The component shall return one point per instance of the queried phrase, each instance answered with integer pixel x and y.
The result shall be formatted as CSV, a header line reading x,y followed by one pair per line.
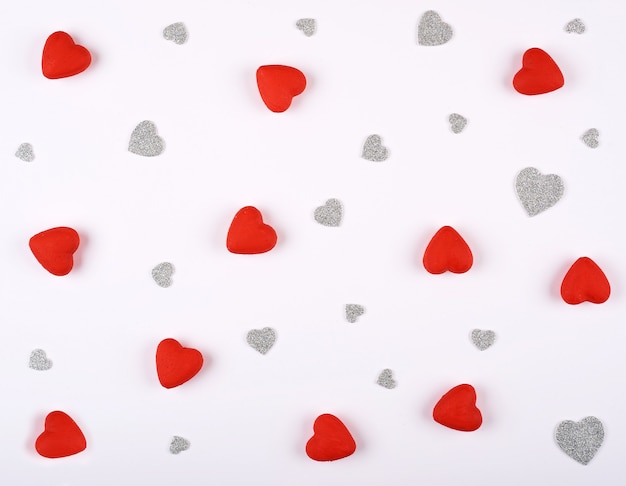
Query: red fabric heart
x,y
278,85
457,409
539,74
447,251
176,364
54,249
331,439
248,234
61,437
62,57
585,282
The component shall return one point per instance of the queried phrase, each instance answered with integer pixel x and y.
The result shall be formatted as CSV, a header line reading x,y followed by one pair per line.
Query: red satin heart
x,y
61,437
457,409
585,282
278,85
176,364
54,249
62,57
539,74
447,251
248,234
331,439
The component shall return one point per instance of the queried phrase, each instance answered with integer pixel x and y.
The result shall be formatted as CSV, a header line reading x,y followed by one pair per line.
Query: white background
x,y
248,416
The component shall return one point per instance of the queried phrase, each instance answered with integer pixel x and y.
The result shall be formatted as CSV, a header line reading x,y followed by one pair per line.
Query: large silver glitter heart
x,y
25,152
538,192
457,122
162,274
39,361
176,32
145,141
590,138
353,311
432,31
385,379
483,339
307,26
179,444
262,339
575,26
330,213
580,440
374,150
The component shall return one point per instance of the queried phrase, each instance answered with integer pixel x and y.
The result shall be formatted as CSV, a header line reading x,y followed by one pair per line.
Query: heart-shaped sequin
x,y
39,361
580,440
331,439
457,122
261,339
179,444
385,379
353,311
25,152
575,26
330,213
538,192
176,32
590,138
307,26
374,150
432,31
162,274
483,339
144,140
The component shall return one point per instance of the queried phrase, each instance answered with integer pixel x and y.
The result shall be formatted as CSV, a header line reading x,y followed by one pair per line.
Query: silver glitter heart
x,y
179,444
483,339
25,152
457,122
385,379
374,150
538,192
432,31
162,274
145,141
329,214
575,26
39,361
176,32
353,311
590,138
262,339
307,26
580,440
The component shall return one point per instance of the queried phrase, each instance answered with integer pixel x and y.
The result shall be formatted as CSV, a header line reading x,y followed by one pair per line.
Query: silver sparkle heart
x,y
307,26
179,444
432,31
385,379
580,440
262,339
353,311
374,150
575,26
538,192
329,214
39,361
176,32
590,138
145,141
25,152
162,274
457,122
483,339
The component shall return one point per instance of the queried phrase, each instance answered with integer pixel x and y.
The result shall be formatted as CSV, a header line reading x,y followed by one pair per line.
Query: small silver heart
x,y
483,339
580,440
179,444
330,213
457,122
162,274
39,361
538,192
25,152
374,150
176,32
353,311
385,379
432,31
145,141
575,26
307,26
590,138
262,339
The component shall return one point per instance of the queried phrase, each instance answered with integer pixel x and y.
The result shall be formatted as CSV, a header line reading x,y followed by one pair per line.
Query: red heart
x,y
175,364
61,437
447,251
457,409
278,85
331,439
248,234
539,74
62,57
54,249
585,281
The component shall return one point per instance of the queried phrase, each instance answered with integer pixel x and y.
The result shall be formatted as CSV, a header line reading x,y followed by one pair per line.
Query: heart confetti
x,y
176,33
278,85
483,339
330,213
262,339
374,150
538,192
144,140
385,379
447,252
539,74
54,249
307,26
162,274
39,361
179,444
331,439
61,437
457,122
176,364
457,409
353,311
432,31
575,26
248,234
25,152
585,282
590,138
63,58
580,440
